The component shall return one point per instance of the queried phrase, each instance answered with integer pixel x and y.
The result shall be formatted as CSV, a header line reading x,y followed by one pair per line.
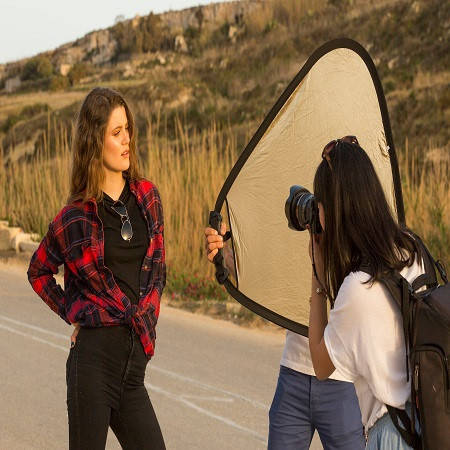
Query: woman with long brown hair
x,y
360,243
110,238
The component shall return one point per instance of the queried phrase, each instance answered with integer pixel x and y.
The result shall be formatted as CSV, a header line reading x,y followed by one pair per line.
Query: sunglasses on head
x,y
334,143
127,231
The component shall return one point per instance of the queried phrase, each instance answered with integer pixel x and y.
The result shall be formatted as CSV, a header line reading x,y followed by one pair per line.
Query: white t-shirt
x,y
365,341
297,357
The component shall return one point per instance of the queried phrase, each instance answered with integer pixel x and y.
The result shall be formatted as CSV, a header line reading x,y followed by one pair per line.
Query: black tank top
x,y
124,258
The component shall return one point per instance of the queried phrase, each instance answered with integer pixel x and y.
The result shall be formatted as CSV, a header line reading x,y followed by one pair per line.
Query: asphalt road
x,y
211,382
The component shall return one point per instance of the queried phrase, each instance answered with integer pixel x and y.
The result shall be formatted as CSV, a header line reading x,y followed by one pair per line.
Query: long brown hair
x,y
87,174
359,227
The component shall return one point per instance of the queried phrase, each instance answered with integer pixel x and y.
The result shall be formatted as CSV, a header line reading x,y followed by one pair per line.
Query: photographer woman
x,y
302,403
363,336
109,236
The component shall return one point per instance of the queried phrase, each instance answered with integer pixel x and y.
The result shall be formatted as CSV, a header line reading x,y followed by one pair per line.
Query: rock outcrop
x,y
99,47
13,238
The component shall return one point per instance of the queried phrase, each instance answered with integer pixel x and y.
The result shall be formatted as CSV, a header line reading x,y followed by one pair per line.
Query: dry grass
x,y
32,194
189,175
55,100
426,194
285,12
425,79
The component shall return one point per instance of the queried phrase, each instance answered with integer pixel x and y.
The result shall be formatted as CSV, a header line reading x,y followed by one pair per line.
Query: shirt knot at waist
x,y
130,312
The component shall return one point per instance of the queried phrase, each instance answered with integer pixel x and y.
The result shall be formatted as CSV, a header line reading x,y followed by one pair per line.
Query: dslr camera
x,y
301,210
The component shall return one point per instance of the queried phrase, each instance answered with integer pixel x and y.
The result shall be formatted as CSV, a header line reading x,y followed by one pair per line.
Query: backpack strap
x,y
430,263
400,290
410,437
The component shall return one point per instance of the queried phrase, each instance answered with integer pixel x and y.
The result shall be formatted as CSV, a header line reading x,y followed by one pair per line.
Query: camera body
x,y
301,210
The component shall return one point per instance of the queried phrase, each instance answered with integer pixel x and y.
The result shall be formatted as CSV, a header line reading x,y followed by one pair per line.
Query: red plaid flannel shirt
x,y
91,296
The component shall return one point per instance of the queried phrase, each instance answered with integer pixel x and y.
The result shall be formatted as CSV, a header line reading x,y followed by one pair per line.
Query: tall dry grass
x,y
285,12
189,173
32,193
426,195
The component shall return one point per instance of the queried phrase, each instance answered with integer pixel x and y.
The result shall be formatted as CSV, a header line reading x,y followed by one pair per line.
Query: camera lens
x,y
301,210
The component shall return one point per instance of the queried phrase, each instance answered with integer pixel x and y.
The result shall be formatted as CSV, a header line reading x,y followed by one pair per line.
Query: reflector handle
x,y
215,219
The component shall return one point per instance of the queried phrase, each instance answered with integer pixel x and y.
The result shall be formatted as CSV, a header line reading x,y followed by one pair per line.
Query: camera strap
x,y
315,272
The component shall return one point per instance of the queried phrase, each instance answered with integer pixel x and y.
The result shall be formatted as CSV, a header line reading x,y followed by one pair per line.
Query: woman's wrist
x,y
317,311
317,290
315,283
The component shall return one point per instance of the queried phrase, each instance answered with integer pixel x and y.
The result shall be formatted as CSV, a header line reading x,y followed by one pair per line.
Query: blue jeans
x,y
303,404
105,388
384,436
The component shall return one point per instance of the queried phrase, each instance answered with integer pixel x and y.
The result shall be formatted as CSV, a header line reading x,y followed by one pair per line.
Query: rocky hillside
x,y
228,63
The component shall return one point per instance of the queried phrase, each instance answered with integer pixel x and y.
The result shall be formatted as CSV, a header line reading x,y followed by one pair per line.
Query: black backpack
x,y
426,326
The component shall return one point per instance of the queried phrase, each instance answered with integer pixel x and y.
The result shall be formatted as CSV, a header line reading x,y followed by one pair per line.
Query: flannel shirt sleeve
x,y
150,310
42,268
160,251
159,271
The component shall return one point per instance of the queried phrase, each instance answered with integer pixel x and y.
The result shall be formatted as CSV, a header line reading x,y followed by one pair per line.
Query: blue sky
x,y
32,26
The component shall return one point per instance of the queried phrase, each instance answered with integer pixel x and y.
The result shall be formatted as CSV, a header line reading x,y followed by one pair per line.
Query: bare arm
x,y
323,366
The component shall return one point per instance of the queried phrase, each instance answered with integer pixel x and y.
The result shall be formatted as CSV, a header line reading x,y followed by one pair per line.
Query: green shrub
x,y
389,85
191,33
30,111
58,83
341,3
147,36
193,286
271,25
37,68
10,121
219,36
26,113
78,71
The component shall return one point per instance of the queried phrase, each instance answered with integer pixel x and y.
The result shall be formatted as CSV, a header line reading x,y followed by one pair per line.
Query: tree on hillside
x,y
200,17
78,71
147,36
151,33
37,68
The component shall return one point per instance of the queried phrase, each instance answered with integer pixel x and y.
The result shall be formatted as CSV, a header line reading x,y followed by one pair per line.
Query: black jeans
x,y
105,387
